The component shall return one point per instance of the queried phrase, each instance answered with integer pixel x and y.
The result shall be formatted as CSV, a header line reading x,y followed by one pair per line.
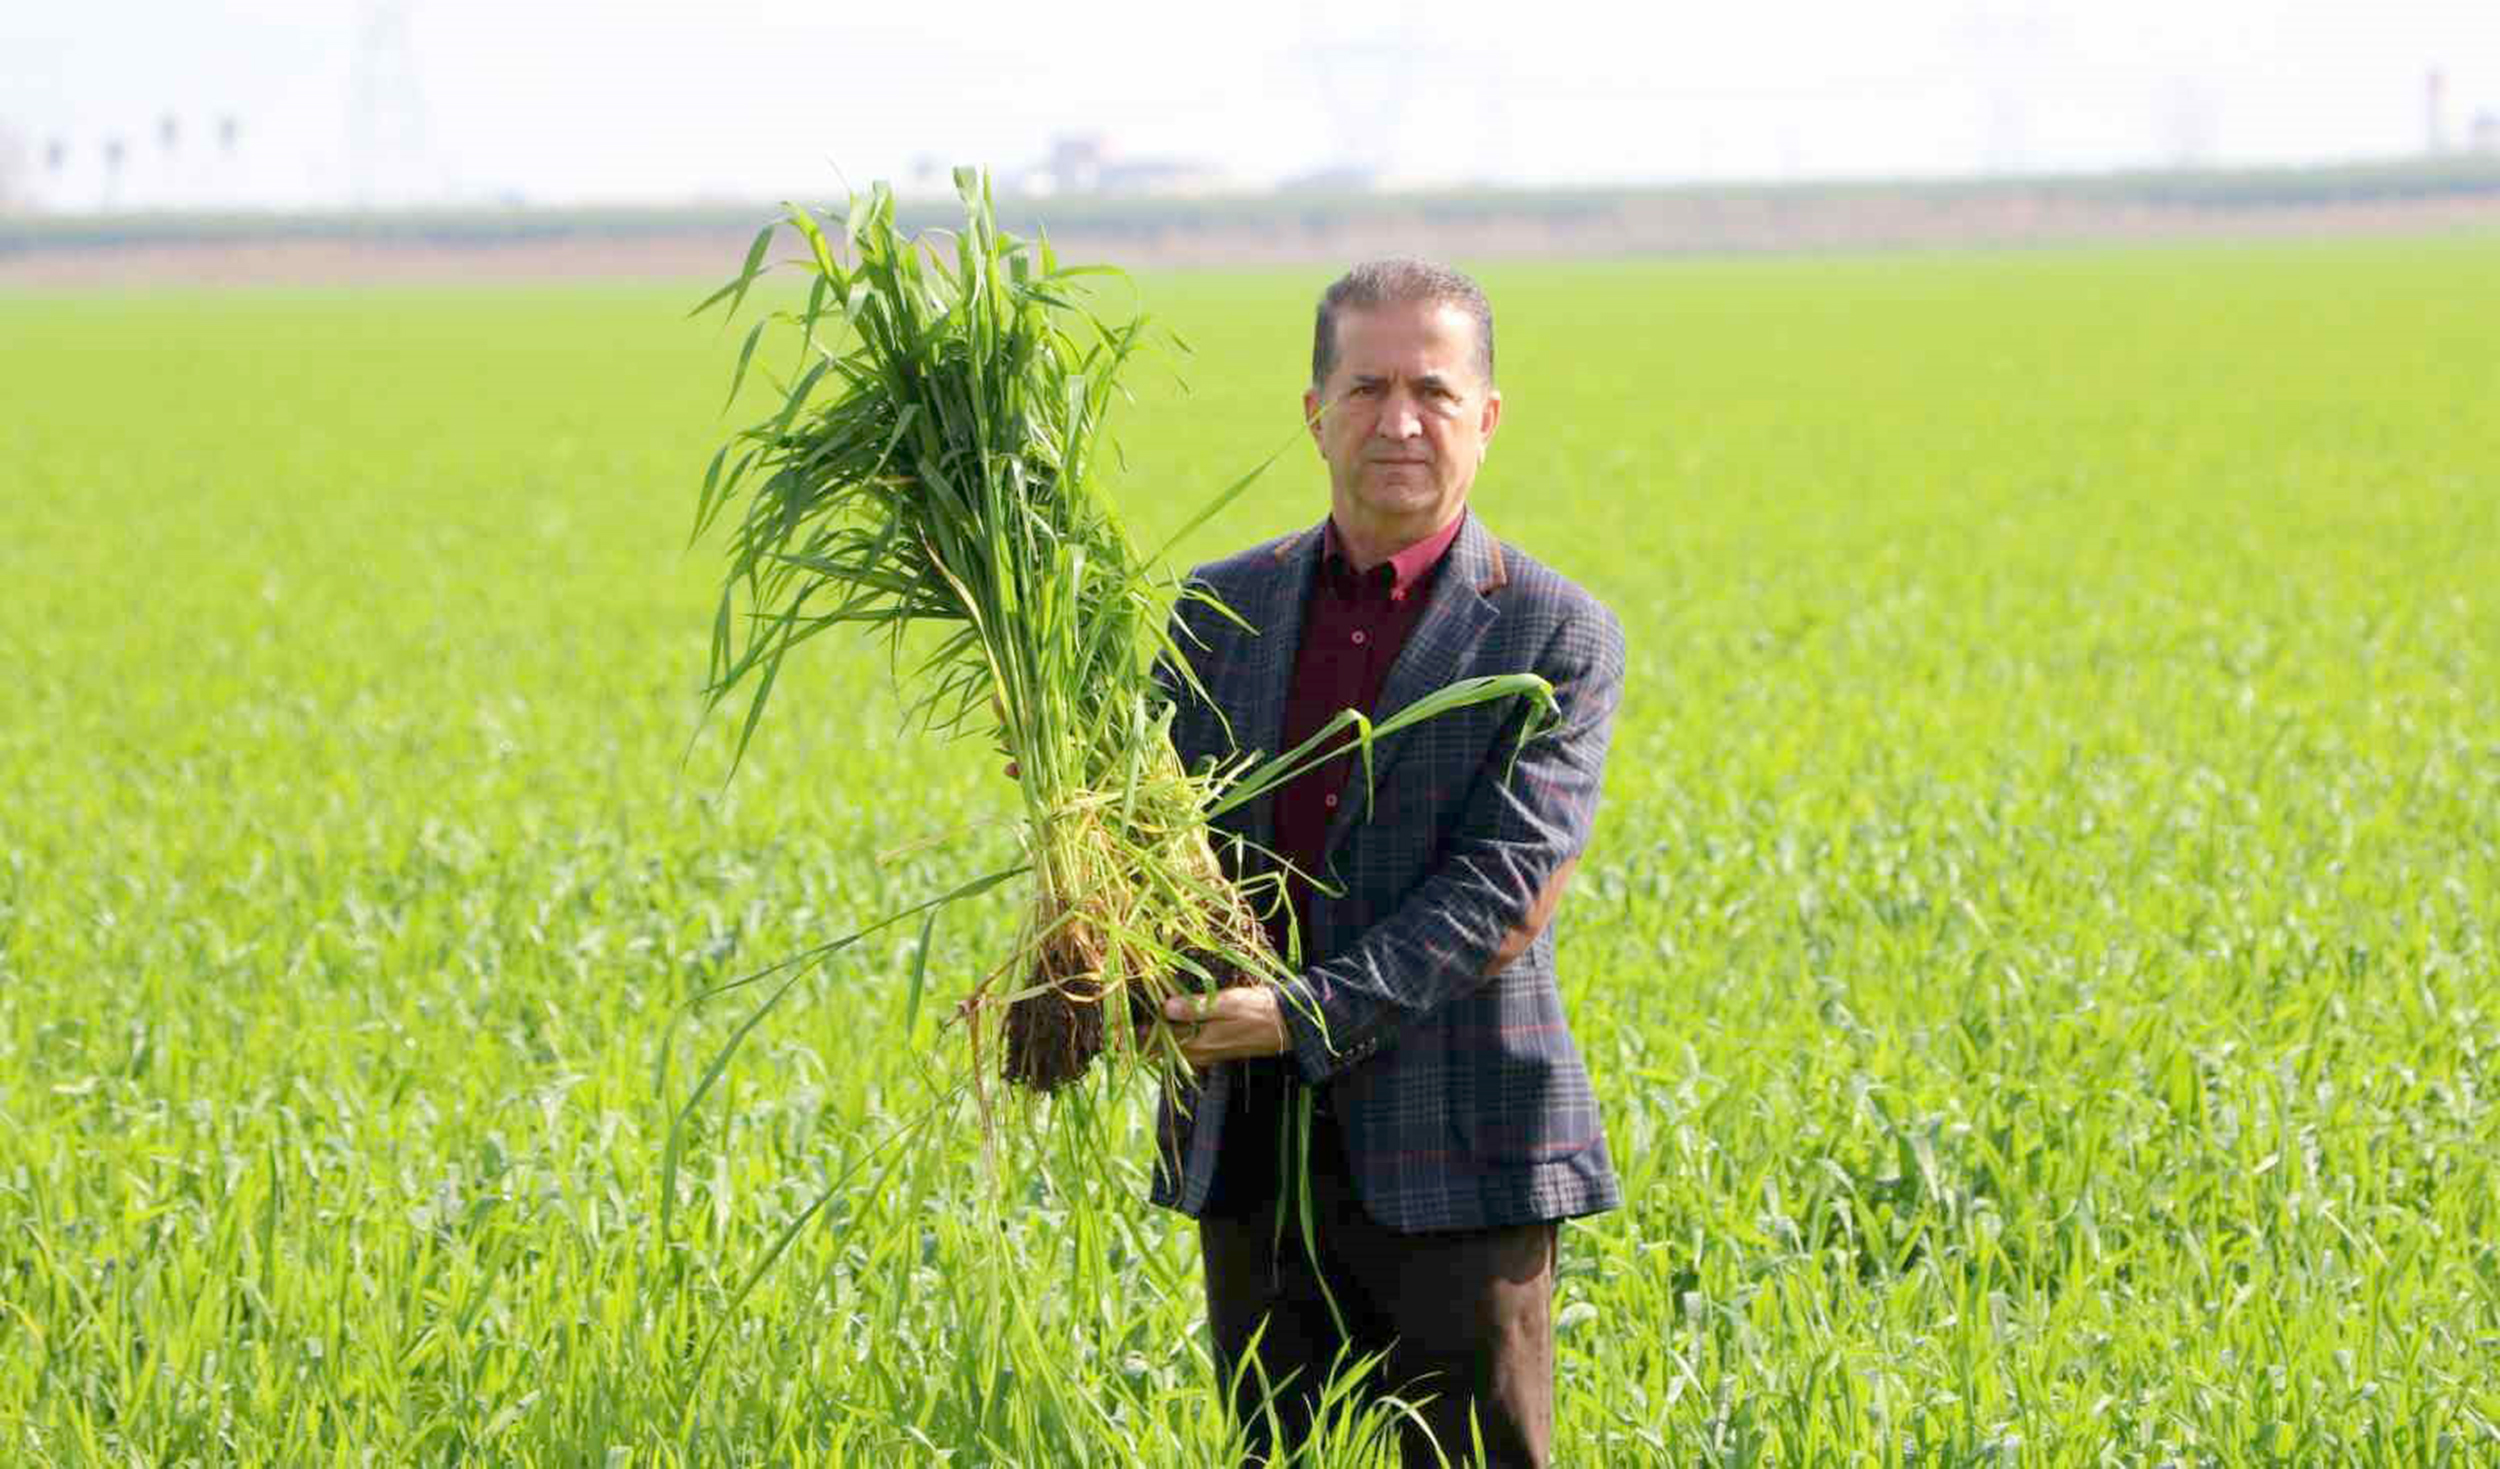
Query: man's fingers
x,y
1186,1016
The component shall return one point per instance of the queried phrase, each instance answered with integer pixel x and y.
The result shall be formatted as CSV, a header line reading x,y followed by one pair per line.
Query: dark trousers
x,y
1465,1317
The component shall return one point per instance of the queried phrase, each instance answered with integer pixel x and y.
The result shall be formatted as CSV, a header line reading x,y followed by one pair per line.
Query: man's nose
x,y
1398,418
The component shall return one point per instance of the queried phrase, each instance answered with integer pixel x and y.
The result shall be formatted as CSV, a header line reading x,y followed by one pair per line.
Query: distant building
x,y
1162,177
930,177
1342,179
1075,163
2484,136
1084,163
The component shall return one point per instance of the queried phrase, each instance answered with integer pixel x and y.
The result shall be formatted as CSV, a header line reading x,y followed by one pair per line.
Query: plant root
x,y
1053,1032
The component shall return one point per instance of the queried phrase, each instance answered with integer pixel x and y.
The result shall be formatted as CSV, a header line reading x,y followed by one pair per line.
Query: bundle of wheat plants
x,y
933,466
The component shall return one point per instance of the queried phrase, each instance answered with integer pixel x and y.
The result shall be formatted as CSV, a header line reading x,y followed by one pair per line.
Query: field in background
x,y
2405,197
2038,957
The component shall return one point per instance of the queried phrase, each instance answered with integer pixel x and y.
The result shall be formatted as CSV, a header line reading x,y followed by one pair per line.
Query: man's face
x,y
1403,420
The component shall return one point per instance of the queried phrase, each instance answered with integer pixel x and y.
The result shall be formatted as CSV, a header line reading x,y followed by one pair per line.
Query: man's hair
x,y
1400,280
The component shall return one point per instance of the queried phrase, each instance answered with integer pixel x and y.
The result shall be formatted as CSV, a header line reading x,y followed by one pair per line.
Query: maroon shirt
x,y
1352,631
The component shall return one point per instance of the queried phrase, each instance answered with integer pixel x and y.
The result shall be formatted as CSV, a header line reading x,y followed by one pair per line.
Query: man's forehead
x,y
1414,337
1422,318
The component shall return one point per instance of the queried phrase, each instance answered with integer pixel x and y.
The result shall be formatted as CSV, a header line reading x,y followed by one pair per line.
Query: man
x,y
1451,1121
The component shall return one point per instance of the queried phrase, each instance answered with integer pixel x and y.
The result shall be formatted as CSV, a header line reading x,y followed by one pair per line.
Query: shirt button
x,y
1360,639
1330,803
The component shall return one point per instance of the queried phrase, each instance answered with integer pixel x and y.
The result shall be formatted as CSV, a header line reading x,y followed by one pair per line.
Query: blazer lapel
x,y
1436,654
1255,701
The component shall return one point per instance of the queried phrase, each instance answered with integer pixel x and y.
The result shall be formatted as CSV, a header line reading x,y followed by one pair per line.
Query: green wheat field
x,y
2040,956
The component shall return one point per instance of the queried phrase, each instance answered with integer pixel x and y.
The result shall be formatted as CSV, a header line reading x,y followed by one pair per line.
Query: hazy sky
x,y
565,101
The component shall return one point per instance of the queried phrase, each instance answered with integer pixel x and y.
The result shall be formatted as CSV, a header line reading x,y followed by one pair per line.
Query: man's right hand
x,y
1227,1025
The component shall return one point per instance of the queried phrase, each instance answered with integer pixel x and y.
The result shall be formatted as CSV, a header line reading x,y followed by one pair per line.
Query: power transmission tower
x,y
1364,81
386,110
13,167
2006,41
114,151
55,169
168,191
2186,121
1365,86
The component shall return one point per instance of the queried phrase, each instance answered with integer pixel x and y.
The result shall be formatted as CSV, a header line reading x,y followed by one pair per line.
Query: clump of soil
x,y
1053,1034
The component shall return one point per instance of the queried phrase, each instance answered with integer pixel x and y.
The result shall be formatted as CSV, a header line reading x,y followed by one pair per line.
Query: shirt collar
x,y
1405,570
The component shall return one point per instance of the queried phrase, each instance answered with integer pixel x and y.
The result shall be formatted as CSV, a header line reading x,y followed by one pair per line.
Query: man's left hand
x,y
1229,1025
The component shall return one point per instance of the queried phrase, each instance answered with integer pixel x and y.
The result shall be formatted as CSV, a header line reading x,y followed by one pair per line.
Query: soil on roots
x,y
1053,1034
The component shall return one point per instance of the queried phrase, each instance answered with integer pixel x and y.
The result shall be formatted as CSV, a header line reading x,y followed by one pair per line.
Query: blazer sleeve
x,y
1521,831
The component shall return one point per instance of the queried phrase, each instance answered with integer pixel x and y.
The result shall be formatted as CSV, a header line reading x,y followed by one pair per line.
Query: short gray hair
x,y
1399,280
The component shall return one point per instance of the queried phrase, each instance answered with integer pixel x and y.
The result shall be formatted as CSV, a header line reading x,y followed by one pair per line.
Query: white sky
x,y
569,101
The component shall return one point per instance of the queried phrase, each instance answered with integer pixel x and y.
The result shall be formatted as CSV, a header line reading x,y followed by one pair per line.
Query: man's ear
x,y
1492,412
1310,412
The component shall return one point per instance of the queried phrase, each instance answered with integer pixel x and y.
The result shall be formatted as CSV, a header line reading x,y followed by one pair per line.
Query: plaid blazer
x,y
1427,1008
